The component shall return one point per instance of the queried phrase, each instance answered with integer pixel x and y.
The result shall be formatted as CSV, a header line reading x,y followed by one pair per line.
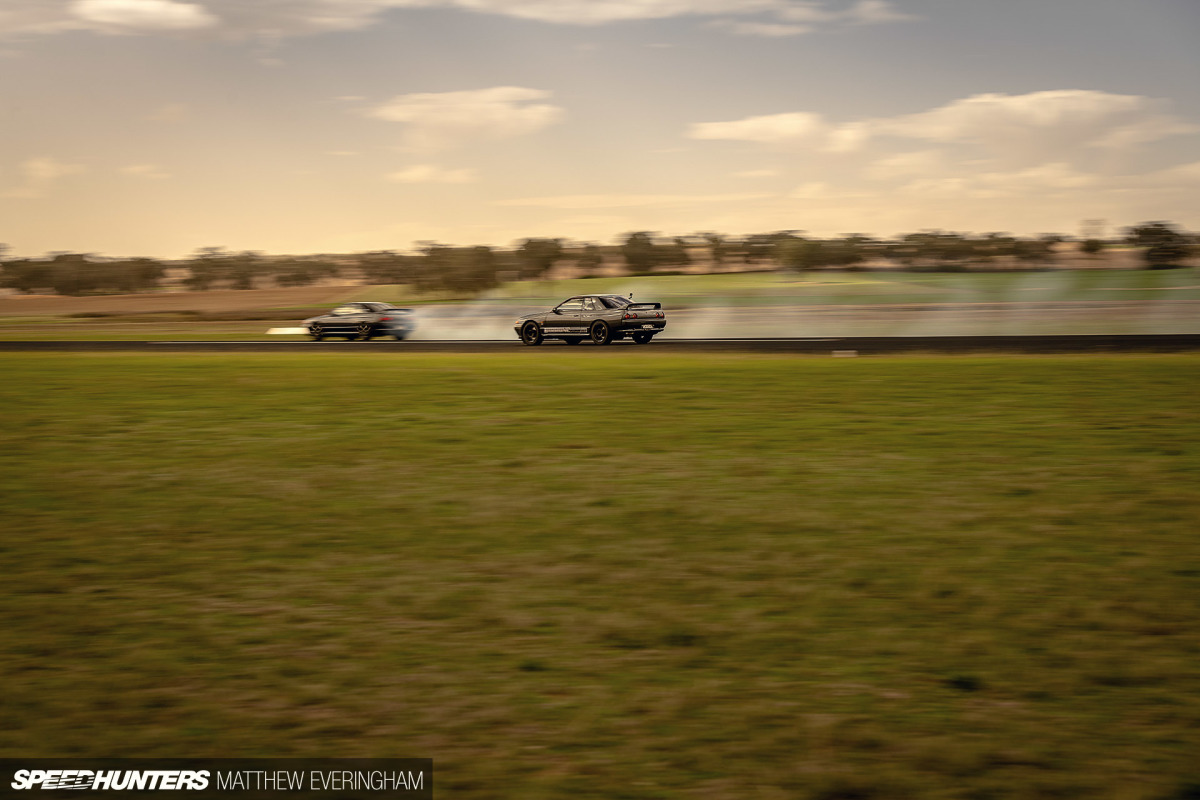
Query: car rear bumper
x,y
636,326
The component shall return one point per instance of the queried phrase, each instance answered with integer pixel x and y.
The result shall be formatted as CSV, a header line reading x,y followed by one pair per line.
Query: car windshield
x,y
615,302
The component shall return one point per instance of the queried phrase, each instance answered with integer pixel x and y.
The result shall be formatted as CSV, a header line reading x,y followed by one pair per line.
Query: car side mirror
x,y
558,311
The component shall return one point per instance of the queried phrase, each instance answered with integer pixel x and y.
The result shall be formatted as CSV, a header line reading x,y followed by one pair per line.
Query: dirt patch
x,y
220,301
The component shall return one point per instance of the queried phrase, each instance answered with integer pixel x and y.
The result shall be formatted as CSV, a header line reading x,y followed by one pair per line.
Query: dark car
x,y
602,318
363,320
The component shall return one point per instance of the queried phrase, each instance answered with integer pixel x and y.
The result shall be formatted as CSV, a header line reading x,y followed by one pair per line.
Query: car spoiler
x,y
645,305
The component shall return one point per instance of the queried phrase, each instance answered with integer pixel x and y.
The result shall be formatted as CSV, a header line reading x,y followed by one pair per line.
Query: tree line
x,y
435,267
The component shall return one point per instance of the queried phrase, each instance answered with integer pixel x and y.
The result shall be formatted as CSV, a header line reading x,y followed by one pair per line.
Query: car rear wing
x,y
632,306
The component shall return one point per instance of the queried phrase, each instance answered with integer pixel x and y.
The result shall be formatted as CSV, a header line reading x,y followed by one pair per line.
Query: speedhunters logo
x,y
116,779
219,777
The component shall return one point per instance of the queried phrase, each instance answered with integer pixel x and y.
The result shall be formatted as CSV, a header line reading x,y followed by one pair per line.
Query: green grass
x,y
581,574
879,287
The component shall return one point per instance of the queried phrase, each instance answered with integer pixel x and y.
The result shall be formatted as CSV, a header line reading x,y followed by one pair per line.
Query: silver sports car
x,y
362,320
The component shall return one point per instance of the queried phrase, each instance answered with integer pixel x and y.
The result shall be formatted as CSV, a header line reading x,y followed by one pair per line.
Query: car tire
x,y
531,334
316,332
642,338
572,340
600,332
399,337
365,331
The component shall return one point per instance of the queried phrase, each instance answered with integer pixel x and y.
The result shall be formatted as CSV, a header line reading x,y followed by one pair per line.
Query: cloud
x,y
796,126
581,201
147,171
813,190
141,15
1066,117
431,173
1043,180
769,29
1037,126
876,12
437,120
901,165
756,173
281,18
794,19
40,174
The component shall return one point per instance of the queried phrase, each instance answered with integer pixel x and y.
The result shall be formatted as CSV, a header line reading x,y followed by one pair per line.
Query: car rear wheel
x,y
365,331
531,334
399,337
316,332
643,338
601,333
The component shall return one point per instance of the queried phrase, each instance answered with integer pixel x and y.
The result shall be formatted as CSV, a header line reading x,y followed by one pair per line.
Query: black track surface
x,y
853,345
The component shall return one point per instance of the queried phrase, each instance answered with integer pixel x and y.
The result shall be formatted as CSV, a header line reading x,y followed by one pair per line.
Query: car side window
x,y
572,305
342,311
589,304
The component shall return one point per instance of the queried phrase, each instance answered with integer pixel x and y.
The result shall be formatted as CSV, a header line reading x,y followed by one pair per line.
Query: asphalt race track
x,y
841,346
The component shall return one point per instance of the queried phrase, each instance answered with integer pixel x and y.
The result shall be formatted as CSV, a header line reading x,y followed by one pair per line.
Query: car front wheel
x,y
316,332
601,333
365,331
531,334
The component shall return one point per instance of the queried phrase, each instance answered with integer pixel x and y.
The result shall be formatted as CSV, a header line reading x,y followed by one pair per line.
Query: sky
x,y
156,127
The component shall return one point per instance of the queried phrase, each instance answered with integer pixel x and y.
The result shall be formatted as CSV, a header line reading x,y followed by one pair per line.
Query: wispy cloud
x,y
39,176
1041,125
128,16
281,18
147,171
438,120
796,126
431,173
582,201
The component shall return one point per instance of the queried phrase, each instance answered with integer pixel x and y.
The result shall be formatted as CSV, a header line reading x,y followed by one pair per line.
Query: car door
x,y
341,319
592,309
564,318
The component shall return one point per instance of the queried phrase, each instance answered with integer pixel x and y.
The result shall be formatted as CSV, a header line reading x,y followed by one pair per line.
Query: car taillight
x,y
631,316
385,319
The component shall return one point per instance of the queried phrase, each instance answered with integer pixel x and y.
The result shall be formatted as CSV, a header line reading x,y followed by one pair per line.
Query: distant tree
x,y
458,270
675,254
1091,246
717,248
26,275
537,256
305,271
1165,246
242,269
589,260
471,270
943,250
71,273
798,253
640,253
206,267
1034,251
759,248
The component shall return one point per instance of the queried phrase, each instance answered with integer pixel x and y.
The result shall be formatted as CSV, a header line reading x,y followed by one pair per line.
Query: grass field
x,y
592,574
